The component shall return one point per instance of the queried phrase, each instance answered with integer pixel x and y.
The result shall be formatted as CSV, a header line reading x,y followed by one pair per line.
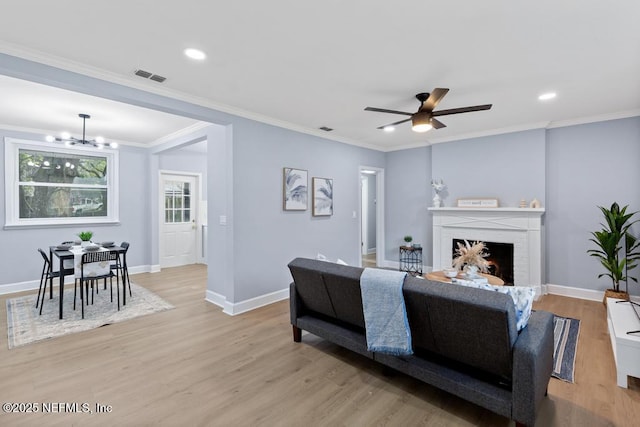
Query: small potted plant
x,y
85,236
407,240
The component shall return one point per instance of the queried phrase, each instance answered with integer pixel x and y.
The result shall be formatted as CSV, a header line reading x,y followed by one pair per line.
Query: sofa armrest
x,y
532,366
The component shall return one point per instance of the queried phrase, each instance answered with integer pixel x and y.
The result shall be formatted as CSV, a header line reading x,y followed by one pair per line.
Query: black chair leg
x,y
44,294
75,287
40,288
81,298
126,274
117,291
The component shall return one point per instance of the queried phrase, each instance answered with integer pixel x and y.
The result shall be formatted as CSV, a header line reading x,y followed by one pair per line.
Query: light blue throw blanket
x,y
385,315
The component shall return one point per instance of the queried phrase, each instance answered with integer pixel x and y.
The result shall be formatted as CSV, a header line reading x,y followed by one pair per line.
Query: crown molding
x,y
594,119
75,67
131,82
198,126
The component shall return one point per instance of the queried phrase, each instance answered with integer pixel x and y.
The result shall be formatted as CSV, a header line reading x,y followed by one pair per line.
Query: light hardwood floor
x,y
194,365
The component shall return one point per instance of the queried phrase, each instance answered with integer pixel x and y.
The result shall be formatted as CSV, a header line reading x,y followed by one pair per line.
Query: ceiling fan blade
x,y
393,124
461,110
437,124
434,98
384,110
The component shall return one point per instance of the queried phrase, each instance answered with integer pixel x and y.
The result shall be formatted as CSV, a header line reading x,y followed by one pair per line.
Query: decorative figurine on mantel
x,y
438,187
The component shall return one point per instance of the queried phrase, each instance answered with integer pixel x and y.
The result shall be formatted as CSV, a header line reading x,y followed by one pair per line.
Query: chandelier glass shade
x,y
67,139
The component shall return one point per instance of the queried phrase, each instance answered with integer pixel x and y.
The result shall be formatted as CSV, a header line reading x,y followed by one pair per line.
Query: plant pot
x,y
85,243
610,293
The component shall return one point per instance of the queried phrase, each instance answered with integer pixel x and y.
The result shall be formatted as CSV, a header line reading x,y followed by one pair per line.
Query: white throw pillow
x,y
341,262
321,257
522,299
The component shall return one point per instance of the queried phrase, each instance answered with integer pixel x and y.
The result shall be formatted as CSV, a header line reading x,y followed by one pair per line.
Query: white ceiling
x,y
308,64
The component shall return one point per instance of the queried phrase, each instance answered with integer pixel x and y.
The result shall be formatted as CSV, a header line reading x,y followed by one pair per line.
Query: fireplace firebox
x,y
500,259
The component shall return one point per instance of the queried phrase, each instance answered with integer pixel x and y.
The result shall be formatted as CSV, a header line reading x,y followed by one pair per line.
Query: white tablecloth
x,y
90,270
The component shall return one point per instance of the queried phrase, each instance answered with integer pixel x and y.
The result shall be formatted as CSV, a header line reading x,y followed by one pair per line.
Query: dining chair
x,y
124,271
106,257
47,275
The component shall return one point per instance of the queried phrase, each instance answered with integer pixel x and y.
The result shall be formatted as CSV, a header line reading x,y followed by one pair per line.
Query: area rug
x,y
565,342
25,325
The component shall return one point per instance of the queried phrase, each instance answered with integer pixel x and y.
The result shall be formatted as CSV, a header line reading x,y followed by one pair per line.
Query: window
x,y
177,202
50,184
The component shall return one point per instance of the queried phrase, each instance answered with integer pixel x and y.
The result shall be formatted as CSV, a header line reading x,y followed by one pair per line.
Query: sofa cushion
x,y
329,289
471,326
310,286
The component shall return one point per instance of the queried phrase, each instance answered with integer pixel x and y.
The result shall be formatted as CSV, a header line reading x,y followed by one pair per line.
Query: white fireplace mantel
x,y
521,227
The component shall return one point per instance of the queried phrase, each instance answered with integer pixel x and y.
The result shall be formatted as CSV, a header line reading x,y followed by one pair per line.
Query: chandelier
x,y
65,137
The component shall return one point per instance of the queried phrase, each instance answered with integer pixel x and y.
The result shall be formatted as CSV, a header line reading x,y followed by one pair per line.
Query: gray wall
x,y
509,167
588,166
407,198
183,160
266,238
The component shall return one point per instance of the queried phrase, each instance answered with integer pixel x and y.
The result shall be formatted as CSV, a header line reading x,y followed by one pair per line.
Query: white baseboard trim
x,y
586,294
247,305
215,299
19,287
30,285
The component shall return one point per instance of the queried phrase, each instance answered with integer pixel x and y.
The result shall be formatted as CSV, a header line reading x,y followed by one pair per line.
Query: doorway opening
x,y
371,217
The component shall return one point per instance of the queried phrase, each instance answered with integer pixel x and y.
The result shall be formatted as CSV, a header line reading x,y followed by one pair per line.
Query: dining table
x,y
74,254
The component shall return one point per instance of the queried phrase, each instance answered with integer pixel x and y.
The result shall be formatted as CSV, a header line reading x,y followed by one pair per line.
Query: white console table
x,y
626,347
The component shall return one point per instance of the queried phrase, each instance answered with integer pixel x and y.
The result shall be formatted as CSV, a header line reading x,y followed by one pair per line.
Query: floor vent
x,y
326,129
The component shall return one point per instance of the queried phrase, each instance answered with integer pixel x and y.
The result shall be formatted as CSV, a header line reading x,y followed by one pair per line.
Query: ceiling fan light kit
x,y
421,122
69,140
424,119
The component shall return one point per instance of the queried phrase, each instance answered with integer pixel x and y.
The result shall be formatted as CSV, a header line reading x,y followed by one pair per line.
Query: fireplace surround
x,y
521,227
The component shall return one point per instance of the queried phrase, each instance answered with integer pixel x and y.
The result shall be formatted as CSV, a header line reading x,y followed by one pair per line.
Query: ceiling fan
x,y
424,119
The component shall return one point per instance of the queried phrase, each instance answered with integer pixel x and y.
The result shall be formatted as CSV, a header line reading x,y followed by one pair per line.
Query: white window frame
x,y
12,205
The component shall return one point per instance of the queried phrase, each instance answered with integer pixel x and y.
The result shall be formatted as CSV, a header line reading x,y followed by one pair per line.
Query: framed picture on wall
x,y
322,196
294,193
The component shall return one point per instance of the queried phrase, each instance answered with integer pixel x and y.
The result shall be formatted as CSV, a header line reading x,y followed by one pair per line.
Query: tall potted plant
x,y
609,241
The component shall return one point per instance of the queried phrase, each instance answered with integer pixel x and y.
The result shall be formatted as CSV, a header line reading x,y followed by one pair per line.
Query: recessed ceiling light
x,y
388,128
195,54
547,96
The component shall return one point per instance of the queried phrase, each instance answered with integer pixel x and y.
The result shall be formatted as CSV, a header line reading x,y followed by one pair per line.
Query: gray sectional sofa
x,y
464,339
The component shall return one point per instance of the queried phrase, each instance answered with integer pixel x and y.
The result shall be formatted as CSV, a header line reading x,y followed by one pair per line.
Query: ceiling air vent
x,y
143,73
157,78
151,76
326,129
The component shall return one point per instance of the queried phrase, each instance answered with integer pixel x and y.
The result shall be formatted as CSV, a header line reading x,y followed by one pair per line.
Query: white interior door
x,y
179,226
